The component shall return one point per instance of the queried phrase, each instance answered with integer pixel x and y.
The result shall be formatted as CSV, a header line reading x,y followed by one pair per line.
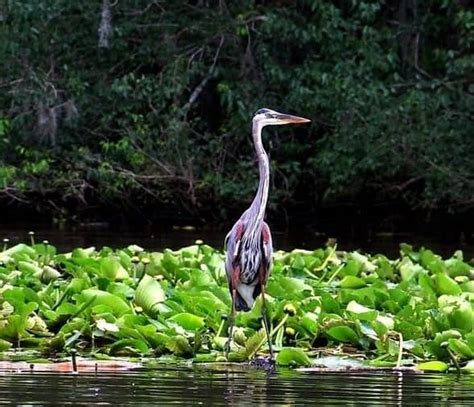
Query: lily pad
x,y
461,348
94,297
361,312
343,333
129,347
446,285
433,366
352,282
188,321
469,368
149,295
292,357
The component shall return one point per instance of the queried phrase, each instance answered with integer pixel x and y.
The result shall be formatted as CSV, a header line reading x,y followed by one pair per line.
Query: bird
x,y
248,245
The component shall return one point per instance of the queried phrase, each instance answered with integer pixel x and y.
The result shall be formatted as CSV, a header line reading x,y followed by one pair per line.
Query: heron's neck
x,y
259,204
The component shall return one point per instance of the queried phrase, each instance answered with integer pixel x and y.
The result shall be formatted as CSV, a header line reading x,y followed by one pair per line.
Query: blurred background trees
x,y
144,107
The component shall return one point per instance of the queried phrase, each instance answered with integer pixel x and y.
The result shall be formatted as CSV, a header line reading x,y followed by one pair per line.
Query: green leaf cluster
x,y
133,123
414,309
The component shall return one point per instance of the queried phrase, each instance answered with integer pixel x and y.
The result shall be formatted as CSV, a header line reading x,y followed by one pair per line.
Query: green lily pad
x,y
361,312
352,282
343,333
111,268
461,348
329,304
95,297
83,253
188,321
4,345
352,268
180,346
446,285
309,321
469,368
462,317
433,366
20,248
149,295
30,268
129,347
292,357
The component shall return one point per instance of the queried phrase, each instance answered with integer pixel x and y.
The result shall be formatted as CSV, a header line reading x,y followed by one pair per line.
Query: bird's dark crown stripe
x,y
261,111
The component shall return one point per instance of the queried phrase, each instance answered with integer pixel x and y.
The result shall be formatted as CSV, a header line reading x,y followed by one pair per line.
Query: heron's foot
x,y
272,355
264,362
227,348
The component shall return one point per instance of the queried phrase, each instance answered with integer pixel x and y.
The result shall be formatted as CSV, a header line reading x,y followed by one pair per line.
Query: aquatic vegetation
x,y
415,310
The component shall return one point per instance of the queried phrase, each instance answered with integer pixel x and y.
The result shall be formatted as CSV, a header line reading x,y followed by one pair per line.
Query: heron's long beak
x,y
288,118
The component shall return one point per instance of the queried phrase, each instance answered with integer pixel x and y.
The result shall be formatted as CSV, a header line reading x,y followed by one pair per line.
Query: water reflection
x,y
236,386
69,238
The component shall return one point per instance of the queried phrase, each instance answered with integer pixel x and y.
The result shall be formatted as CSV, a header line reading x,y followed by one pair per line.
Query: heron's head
x,y
268,117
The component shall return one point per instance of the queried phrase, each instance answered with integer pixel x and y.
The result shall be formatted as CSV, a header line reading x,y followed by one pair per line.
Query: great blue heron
x,y
249,242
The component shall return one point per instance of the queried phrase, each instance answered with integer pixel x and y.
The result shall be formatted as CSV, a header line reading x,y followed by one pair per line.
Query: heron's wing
x,y
267,248
232,247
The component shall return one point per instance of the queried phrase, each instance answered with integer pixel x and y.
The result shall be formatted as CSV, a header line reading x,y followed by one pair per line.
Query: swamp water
x,y
68,238
235,385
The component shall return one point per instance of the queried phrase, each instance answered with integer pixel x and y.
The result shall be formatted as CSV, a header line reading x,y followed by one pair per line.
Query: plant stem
x,y
454,360
326,260
274,330
221,326
335,274
400,350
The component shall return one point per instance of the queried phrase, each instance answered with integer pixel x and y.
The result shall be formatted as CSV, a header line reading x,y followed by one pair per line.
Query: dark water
x,y
236,386
67,239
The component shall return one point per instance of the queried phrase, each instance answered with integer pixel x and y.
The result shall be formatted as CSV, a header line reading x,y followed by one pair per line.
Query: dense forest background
x,y
143,108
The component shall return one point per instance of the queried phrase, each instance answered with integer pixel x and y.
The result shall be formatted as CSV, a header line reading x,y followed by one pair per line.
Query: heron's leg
x,y
231,325
265,319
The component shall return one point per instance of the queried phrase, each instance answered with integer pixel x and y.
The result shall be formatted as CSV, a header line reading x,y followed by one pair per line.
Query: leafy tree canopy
x,y
146,104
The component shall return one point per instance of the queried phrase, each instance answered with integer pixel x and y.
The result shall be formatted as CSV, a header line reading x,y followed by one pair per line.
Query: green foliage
x,y
406,309
433,366
156,111
149,294
292,357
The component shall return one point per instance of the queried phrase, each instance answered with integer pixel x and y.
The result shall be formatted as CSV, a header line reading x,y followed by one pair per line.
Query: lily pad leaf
x,y
386,321
352,282
292,357
343,333
329,304
149,295
129,346
469,368
180,346
81,253
310,322
188,321
98,297
462,317
362,313
19,248
288,287
461,348
26,267
433,366
14,327
446,285
4,345
111,268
